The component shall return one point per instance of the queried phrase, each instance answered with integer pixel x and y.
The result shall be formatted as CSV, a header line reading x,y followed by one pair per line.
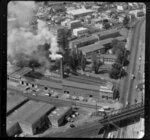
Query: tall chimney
x,y
61,68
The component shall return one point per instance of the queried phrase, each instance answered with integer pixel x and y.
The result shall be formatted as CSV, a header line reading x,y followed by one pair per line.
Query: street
x,y
128,91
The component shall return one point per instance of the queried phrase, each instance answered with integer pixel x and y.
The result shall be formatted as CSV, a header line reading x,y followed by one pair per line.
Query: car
x,y
47,94
72,125
133,76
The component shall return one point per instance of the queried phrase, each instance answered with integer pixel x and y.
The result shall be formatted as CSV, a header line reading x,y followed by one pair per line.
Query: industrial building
x,y
20,114
58,116
99,46
14,101
37,120
83,41
107,58
80,32
79,13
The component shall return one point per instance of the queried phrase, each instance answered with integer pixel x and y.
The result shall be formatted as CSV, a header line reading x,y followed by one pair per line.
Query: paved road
x,y
128,91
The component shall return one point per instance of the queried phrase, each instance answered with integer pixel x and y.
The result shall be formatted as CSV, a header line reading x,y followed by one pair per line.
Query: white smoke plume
x,y
25,47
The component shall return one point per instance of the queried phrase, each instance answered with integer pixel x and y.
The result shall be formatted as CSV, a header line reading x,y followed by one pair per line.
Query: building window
x,y
27,84
45,88
32,85
22,82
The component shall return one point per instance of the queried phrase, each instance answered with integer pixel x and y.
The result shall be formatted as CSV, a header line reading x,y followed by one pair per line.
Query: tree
x,y
117,71
116,94
95,63
126,20
107,25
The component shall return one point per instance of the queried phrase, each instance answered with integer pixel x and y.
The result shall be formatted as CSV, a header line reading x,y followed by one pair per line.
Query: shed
x,y
31,124
57,117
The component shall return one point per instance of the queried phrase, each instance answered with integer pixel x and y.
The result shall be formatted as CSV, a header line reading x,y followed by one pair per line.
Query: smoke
x,y
24,47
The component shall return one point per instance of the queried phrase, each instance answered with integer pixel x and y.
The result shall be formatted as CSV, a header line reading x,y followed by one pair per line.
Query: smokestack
x,y
61,68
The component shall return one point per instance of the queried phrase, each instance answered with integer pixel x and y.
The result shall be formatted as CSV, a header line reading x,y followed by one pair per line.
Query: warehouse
x,y
83,42
35,122
57,117
19,115
15,101
78,13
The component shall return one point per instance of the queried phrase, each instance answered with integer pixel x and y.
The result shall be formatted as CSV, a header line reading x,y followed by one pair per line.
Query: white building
x,y
80,31
79,12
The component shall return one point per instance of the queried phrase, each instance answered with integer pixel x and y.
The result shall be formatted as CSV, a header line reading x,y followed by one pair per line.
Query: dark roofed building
x,y
58,116
83,42
33,123
18,115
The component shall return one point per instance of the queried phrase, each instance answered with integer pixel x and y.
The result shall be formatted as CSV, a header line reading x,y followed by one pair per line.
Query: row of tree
x,y
118,48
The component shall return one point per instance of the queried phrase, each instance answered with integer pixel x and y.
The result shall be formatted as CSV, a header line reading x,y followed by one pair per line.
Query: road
x,y
128,92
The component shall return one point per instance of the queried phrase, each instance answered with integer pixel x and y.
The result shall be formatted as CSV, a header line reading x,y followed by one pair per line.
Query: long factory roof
x,y
14,100
79,11
99,45
80,85
24,111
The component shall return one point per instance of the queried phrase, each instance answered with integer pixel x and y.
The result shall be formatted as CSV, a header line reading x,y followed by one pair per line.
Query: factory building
x,y
107,58
58,116
83,42
15,101
20,114
86,90
80,32
79,13
36,121
98,46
